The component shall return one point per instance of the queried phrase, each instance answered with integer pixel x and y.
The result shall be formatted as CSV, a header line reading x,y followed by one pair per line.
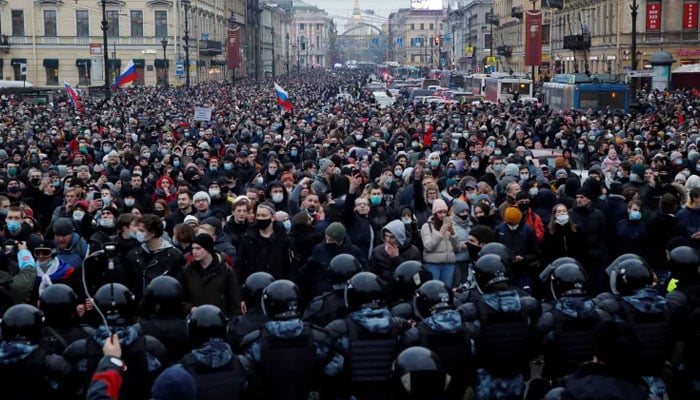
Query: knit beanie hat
x,y
205,241
483,233
439,205
201,196
512,216
336,231
175,383
638,169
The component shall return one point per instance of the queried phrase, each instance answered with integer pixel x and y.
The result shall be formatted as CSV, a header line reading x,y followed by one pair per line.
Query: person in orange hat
x,y
521,240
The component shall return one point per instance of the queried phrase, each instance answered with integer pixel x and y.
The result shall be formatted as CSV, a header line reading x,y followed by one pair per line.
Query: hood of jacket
x,y
126,335
164,244
647,300
448,321
576,307
503,301
215,353
374,320
398,229
12,352
285,329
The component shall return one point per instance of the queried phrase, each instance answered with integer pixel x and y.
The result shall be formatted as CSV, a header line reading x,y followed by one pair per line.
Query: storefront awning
x,y
83,62
51,62
115,63
139,62
161,63
18,61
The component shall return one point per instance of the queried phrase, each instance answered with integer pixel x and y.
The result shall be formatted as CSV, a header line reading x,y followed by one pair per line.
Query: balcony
x,y
516,12
209,47
577,42
505,51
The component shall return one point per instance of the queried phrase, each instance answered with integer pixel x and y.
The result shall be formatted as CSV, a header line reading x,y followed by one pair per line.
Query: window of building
x,y
422,26
413,27
51,75
432,26
161,20
50,23
545,34
82,23
487,40
136,23
17,22
302,27
113,23
83,71
318,42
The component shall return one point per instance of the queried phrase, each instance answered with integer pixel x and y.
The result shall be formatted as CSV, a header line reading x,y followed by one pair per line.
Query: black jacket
x,y
216,285
144,265
274,255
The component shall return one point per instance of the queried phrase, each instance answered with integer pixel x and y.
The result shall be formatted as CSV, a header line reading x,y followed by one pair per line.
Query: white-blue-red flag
x,y
283,98
128,75
74,96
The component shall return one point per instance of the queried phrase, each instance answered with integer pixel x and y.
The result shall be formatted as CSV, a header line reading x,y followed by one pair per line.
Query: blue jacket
x,y
690,217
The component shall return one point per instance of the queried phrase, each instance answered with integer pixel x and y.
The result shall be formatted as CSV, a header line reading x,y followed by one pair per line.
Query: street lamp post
x,y
302,46
164,42
186,4
286,37
232,25
633,90
273,52
105,26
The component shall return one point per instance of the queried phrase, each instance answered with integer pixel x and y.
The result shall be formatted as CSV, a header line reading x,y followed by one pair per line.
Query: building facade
x,y
469,28
417,37
59,41
310,36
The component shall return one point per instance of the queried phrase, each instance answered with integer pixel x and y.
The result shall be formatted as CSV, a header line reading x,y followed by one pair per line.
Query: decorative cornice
x,y
153,3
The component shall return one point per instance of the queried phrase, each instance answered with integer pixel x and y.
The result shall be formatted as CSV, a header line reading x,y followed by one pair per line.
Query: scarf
x,y
58,270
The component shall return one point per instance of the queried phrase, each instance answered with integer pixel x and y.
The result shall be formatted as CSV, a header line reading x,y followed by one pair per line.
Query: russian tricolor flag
x,y
128,75
283,98
74,96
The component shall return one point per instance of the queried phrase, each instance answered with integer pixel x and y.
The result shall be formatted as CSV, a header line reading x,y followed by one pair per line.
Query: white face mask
x,y
214,192
106,222
78,215
562,219
277,197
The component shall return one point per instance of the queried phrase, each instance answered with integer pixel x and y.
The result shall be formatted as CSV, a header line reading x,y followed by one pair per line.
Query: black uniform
x,y
216,371
241,325
29,372
326,308
171,332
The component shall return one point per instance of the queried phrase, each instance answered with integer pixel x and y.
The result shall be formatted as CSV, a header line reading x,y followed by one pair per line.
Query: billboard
x,y
232,49
426,4
690,16
653,17
533,40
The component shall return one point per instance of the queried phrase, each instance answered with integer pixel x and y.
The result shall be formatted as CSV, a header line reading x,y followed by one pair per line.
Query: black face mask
x,y
523,207
159,213
263,223
455,192
473,251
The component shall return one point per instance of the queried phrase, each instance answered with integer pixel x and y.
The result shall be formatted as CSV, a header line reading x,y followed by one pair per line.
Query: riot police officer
x,y
254,318
443,332
468,292
143,354
418,375
331,305
216,370
504,338
286,356
58,302
684,309
163,316
369,337
642,307
26,370
567,325
408,276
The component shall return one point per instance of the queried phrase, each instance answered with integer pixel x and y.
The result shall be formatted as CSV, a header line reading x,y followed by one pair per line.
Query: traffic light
x,y
437,40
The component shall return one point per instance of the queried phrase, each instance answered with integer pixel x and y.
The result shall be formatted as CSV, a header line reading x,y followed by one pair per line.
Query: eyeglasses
x,y
361,204
42,252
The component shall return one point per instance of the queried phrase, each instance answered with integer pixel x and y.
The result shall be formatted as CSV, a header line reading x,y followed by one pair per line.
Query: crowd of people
x,y
344,249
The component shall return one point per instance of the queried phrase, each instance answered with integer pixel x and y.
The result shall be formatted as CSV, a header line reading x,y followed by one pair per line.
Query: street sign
x,y
180,69
640,74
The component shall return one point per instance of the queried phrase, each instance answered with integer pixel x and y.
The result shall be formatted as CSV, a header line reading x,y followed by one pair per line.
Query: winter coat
x,y
690,217
383,265
144,265
562,243
217,285
438,248
274,255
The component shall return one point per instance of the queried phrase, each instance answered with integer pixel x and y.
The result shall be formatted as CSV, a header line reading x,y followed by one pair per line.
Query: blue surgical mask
x,y
293,153
375,200
14,226
213,168
287,225
434,163
176,163
57,184
129,202
228,166
635,215
141,237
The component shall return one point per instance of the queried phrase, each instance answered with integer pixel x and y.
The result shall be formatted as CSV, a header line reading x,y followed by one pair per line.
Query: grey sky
x,y
343,8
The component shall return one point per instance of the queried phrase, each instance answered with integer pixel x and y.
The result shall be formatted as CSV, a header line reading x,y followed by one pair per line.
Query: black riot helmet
x,y
489,270
58,303
418,374
431,297
280,300
408,276
22,322
253,287
365,289
683,262
546,274
615,265
117,303
206,322
163,297
568,280
341,268
631,276
498,249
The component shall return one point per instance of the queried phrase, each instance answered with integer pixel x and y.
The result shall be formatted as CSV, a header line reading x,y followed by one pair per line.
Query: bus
x,y
452,80
503,89
583,92
476,83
